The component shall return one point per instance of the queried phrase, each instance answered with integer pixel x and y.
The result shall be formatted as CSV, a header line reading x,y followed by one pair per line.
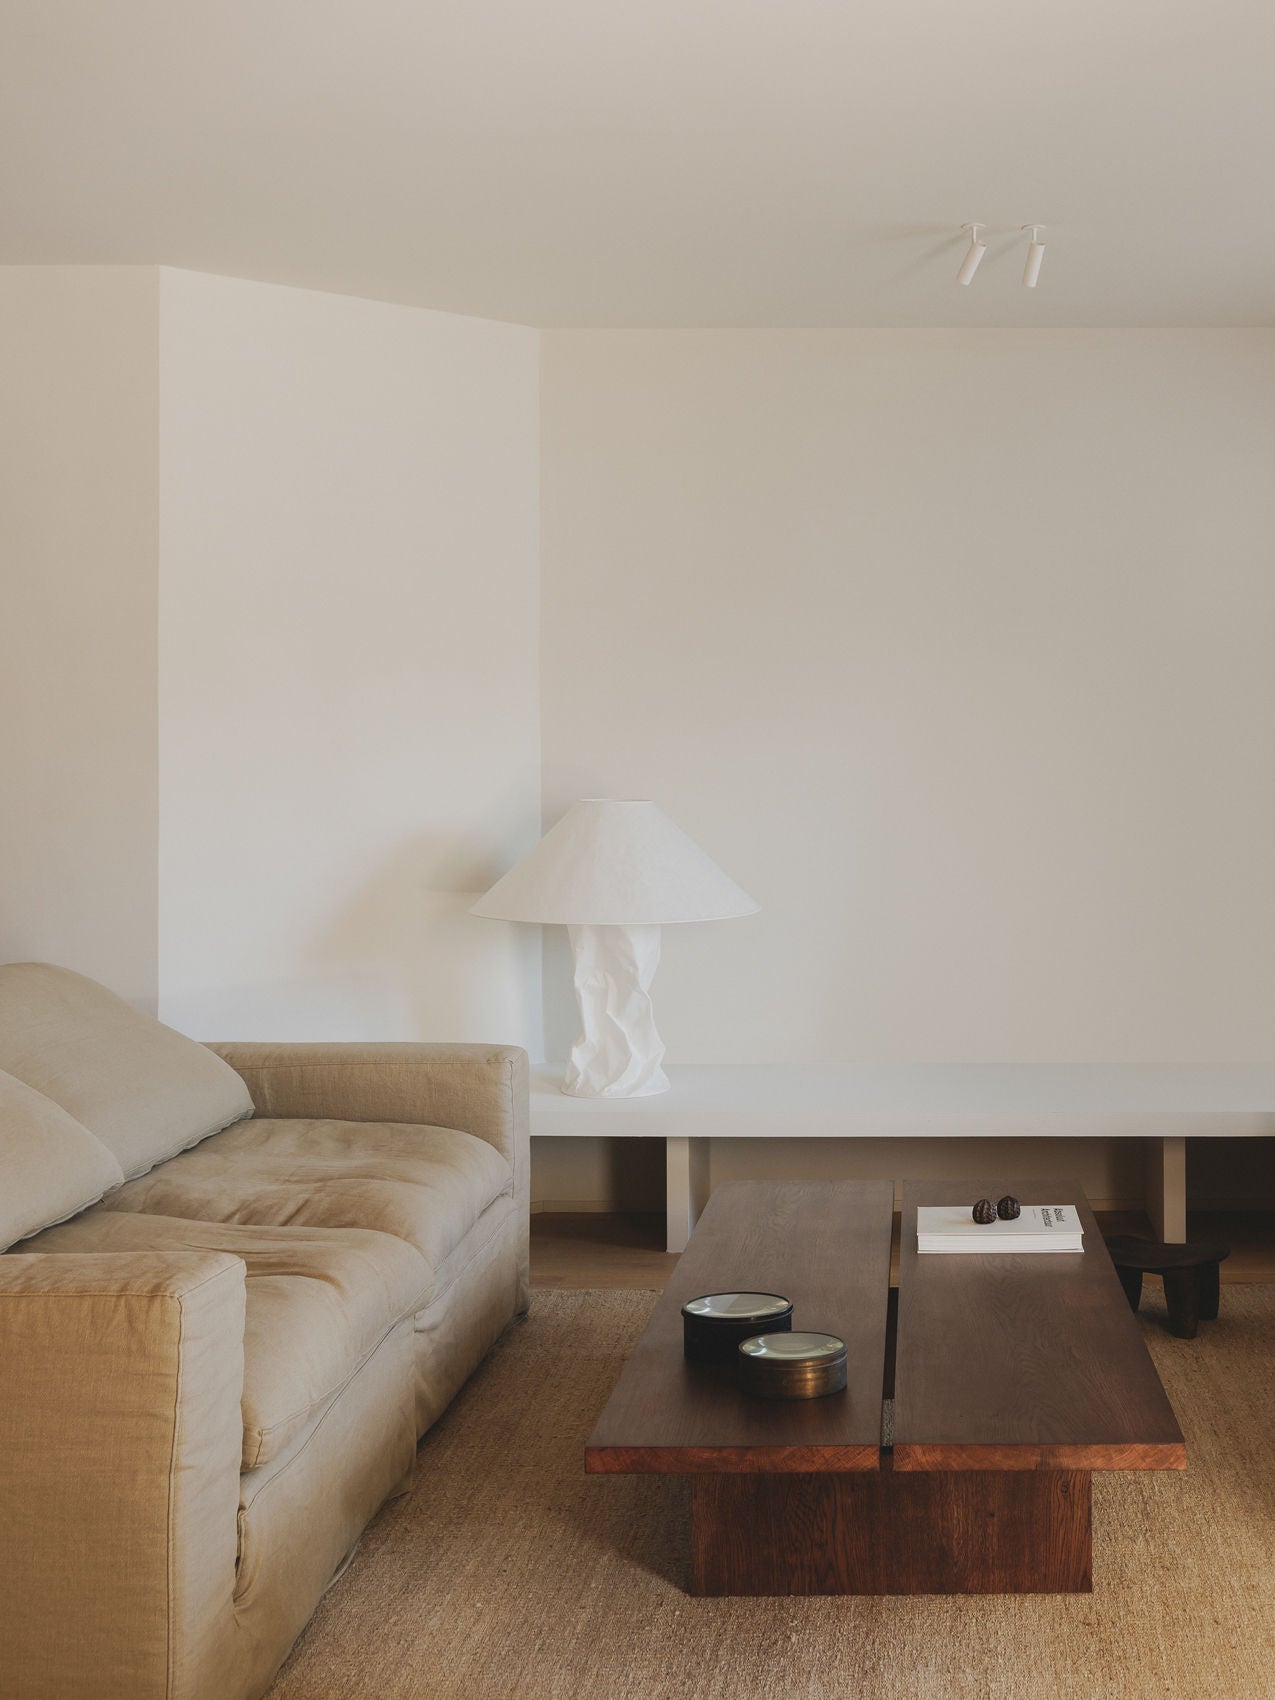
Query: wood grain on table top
x,y
1030,1362
825,1246
1022,1362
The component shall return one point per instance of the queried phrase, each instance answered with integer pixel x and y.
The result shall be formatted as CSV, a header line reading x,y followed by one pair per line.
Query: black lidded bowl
x,y
714,1324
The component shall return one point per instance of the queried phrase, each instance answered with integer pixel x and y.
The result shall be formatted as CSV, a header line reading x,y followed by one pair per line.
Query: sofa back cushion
x,y
50,1166
144,1090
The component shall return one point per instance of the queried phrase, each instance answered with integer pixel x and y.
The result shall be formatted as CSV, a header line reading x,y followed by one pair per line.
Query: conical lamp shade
x,y
612,864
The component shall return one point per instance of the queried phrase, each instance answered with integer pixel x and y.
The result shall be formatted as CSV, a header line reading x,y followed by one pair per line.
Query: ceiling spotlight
x,y
977,248
1035,254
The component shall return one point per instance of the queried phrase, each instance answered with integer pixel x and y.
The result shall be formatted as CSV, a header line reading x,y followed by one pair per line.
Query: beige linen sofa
x,y
242,1280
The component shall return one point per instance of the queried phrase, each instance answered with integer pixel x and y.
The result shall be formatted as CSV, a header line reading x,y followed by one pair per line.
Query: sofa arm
x,y
120,1442
480,1089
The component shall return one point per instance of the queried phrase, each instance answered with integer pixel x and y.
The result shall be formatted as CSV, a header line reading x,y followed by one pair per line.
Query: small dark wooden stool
x,y
1191,1273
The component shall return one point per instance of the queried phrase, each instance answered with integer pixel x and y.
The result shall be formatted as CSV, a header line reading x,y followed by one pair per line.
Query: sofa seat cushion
x,y
144,1090
320,1301
50,1166
425,1185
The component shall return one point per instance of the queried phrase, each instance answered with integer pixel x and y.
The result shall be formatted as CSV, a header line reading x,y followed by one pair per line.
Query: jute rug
x,y
508,1573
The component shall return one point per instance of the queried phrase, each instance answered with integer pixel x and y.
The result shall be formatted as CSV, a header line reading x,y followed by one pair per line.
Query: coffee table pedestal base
x,y
892,1532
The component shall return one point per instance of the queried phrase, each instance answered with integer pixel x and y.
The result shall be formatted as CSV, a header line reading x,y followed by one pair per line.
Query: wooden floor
x,y
588,1250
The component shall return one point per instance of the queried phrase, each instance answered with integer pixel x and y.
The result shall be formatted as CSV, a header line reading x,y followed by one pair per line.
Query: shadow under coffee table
x,y
1004,1381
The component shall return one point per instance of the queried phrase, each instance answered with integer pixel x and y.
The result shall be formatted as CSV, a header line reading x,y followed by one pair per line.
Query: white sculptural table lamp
x,y
613,874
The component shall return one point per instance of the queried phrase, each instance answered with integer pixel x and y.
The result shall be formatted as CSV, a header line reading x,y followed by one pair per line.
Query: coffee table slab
x,y
1008,1379
1022,1363
824,1245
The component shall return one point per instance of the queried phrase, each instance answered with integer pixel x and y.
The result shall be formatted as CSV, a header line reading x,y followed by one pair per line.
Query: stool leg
x,y
1182,1296
1131,1281
1210,1290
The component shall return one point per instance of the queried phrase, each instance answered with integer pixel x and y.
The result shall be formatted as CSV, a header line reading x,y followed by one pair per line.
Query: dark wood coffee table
x,y
978,1403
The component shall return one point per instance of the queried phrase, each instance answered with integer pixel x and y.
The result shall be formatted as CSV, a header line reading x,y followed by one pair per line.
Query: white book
x,y
1040,1227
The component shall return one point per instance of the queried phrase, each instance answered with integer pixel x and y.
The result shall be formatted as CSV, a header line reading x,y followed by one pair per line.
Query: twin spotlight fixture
x,y
978,247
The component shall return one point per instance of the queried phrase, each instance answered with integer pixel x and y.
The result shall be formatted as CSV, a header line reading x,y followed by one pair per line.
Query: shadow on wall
x,y
433,970
561,1014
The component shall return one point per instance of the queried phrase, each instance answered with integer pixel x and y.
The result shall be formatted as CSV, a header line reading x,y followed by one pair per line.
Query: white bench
x,y
1164,1107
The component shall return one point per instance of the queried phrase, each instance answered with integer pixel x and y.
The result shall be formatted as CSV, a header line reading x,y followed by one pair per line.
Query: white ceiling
x,y
659,162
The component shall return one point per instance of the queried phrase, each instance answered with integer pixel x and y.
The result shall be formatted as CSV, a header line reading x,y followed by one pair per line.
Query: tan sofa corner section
x,y
120,1441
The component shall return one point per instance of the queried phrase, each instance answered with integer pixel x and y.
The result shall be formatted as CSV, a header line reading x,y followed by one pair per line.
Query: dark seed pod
x,y
984,1211
1008,1208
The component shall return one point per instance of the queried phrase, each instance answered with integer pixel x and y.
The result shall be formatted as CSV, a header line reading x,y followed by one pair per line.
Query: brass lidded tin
x,y
714,1325
792,1365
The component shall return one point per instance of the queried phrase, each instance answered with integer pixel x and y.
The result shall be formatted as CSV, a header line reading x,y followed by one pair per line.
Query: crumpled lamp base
x,y
619,1052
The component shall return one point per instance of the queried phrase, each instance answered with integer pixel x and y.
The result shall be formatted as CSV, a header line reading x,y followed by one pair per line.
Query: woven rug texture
x,y
508,1574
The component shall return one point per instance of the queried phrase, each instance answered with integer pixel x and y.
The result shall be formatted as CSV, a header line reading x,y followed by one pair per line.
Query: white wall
x,y
78,486
951,647
349,736
954,649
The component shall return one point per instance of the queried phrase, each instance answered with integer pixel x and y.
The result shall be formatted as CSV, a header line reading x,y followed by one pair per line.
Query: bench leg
x,y
1182,1296
686,1176
1131,1281
679,1217
1166,1187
